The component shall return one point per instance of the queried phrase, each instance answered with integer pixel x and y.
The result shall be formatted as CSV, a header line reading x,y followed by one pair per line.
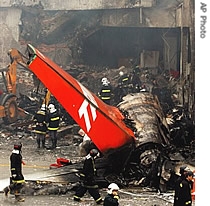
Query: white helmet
x,y
52,108
121,73
104,79
43,107
112,187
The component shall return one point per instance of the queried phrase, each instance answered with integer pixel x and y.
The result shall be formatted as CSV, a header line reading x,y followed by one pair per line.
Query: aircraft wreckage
x,y
133,137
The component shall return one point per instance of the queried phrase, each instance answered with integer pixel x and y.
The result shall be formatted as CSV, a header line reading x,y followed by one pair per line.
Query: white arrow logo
x,y
83,109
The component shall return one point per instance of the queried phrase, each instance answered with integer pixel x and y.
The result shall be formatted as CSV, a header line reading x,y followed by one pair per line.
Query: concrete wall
x,y
184,14
146,17
164,14
15,3
76,4
9,24
11,18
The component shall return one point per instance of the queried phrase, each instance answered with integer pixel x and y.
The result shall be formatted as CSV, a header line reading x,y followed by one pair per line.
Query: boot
x,y
77,199
18,197
99,201
6,191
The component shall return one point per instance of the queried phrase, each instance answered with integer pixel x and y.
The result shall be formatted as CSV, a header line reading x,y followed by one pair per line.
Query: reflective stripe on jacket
x,y
105,92
53,121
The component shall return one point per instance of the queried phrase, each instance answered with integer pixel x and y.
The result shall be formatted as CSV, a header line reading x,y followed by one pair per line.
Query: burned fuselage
x,y
133,137
144,115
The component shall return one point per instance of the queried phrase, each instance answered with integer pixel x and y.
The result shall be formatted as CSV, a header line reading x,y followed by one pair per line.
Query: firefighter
x,y
184,197
88,178
41,126
106,91
123,84
135,80
17,179
112,197
53,120
182,171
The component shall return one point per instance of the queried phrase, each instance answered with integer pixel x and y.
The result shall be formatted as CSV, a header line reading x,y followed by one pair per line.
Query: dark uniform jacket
x,y
106,93
124,81
110,200
40,122
177,189
123,86
16,166
184,193
53,121
88,172
136,83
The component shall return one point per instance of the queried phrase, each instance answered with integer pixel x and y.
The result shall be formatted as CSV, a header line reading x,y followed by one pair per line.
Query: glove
x,y
117,197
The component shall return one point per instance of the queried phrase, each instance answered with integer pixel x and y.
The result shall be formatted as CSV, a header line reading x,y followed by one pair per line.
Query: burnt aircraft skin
x,y
152,138
141,164
142,158
150,124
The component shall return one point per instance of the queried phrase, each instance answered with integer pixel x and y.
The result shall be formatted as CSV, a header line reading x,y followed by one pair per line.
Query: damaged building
x,y
96,38
156,34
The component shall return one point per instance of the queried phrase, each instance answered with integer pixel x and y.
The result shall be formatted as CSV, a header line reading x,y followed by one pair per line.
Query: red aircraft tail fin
x,y
101,122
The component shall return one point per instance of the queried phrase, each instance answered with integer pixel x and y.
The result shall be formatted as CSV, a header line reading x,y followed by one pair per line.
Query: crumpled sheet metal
x,y
150,123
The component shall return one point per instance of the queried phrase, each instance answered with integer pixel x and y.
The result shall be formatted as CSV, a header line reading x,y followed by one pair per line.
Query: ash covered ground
x,y
39,160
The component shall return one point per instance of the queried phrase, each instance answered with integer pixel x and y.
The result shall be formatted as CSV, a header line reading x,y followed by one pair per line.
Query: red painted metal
x,y
102,123
60,162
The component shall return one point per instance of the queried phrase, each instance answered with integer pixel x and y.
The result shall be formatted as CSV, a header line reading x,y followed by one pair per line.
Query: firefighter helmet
x,y
190,173
105,81
51,108
43,107
183,169
93,152
121,73
112,187
18,146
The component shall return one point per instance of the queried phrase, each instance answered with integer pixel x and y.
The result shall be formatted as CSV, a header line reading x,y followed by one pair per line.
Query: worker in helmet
x,y
112,197
182,171
106,91
17,179
123,84
135,80
88,178
184,188
53,120
40,126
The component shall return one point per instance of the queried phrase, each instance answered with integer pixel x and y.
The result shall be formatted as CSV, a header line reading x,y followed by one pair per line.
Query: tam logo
x,y
83,108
